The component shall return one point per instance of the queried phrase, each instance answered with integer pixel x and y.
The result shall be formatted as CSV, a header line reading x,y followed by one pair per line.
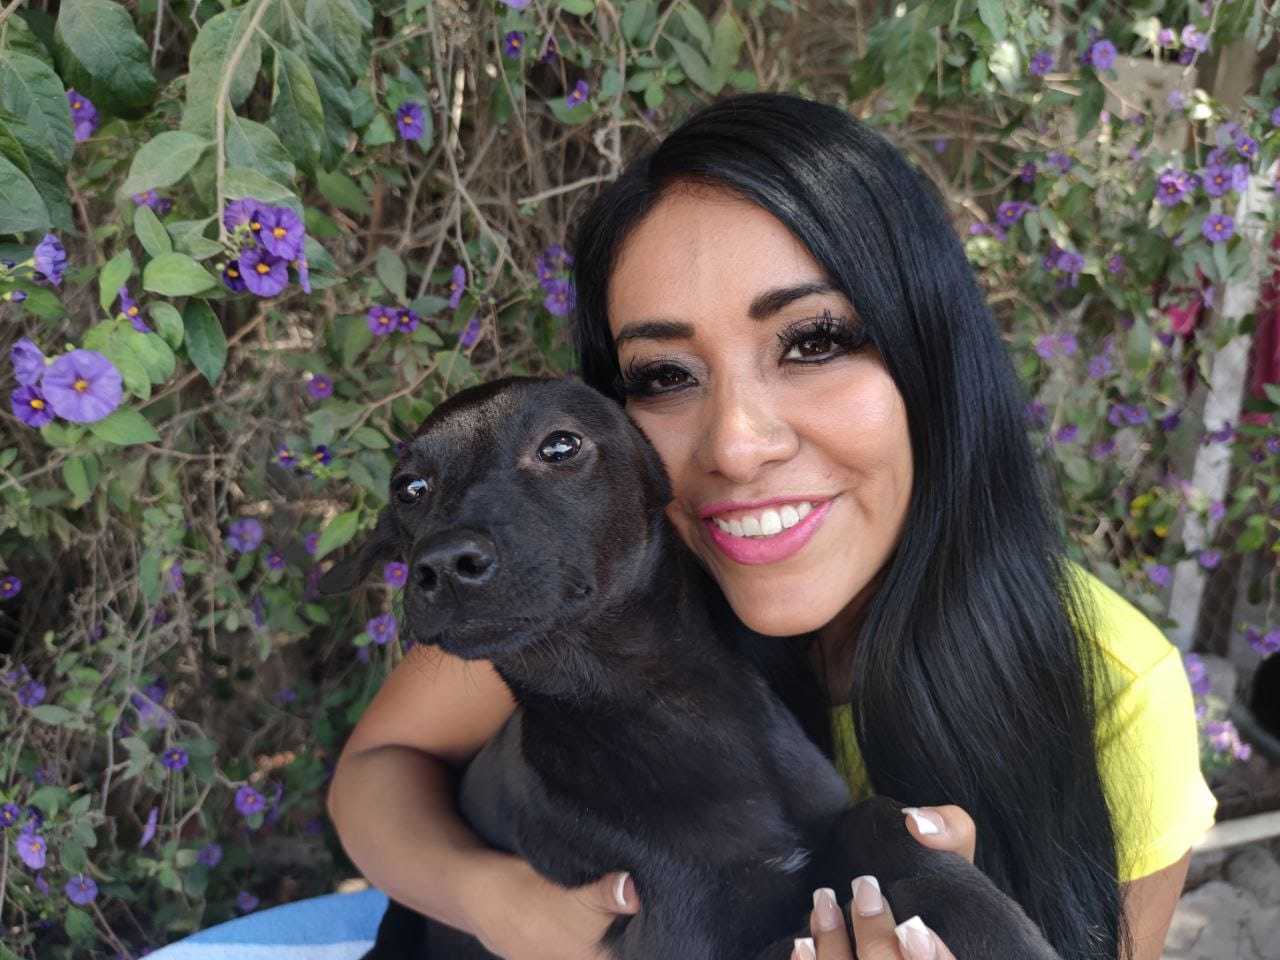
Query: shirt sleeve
x,y
1149,760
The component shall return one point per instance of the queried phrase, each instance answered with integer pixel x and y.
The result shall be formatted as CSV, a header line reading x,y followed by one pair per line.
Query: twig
x,y
155,38
8,11
564,188
220,108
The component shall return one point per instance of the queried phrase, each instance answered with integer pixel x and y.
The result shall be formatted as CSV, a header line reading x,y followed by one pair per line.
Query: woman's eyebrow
x,y
762,307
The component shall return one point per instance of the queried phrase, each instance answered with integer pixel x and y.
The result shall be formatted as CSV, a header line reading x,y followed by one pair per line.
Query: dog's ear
x,y
349,572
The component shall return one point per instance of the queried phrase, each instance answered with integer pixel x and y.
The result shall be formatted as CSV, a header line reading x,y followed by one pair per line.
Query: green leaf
x,y
149,573
243,182
695,23
152,353
343,192
378,132
346,27
391,272
176,275
1138,349
21,206
109,62
32,92
296,112
150,233
210,53
726,45
339,531
1089,105
76,479
371,438
124,427
1273,393
168,322
79,926
206,343
695,66
634,17
993,15
579,8
256,147
163,160
53,714
115,273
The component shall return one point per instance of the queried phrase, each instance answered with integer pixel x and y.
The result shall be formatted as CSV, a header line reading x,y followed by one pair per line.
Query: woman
x,y
782,305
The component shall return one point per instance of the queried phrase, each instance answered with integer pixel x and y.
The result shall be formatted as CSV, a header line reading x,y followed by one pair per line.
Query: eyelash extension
x,y
637,378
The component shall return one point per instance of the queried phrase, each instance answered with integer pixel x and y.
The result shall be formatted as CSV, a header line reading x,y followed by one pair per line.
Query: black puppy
x,y
531,515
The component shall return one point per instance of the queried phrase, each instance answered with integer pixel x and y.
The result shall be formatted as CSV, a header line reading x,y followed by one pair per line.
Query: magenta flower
x,y
1218,228
577,95
410,120
244,535
81,890
395,573
249,801
457,286
175,758
382,320
560,298
30,406
512,44
84,116
32,848
320,387
82,386
282,233
382,628
264,274
1102,55
149,830
50,259
1041,62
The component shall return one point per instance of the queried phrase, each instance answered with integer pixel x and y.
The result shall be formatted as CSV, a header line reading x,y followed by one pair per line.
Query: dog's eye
x,y
559,446
410,489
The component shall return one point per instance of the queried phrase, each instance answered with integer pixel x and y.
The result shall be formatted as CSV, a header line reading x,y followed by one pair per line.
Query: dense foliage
x,y
245,248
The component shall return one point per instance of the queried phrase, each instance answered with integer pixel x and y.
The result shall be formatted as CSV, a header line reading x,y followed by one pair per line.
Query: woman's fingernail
x,y
926,821
620,890
916,940
866,896
804,949
825,910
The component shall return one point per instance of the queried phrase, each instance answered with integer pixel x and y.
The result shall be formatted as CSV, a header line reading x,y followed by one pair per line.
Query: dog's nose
x,y
465,557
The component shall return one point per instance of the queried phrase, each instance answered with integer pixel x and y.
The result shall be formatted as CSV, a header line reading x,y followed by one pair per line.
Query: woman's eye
x,y
652,381
804,348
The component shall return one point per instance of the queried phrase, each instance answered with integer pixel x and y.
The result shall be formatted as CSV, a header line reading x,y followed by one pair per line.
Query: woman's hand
x,y
875,934
531,918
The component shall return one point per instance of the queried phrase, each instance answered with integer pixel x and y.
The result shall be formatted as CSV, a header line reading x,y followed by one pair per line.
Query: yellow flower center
x,y
278,232
81,385
77,105
232,272
262,268
132,311
37,403
255,226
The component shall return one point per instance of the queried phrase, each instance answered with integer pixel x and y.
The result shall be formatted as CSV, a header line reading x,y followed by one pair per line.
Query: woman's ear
x,y
349,572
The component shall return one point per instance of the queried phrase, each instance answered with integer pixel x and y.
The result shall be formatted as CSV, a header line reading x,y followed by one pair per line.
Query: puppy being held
x,y
646,738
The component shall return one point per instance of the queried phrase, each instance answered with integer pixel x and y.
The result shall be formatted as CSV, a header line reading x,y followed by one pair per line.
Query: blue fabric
x,y
340,926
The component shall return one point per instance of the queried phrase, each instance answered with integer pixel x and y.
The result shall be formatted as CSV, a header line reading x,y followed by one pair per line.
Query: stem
x,y
8,11
220,107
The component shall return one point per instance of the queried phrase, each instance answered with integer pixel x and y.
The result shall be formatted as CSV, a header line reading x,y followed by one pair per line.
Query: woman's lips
x,y
758,550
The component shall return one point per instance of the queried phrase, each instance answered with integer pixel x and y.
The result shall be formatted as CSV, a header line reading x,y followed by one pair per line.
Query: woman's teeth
x,y
766,523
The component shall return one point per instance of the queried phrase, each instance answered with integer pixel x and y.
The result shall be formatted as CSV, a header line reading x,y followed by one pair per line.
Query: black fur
x,y
645,740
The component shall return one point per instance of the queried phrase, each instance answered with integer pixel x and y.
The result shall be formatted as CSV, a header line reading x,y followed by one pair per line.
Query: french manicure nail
x,y
826,912
866,896
804,949
916,940
926,821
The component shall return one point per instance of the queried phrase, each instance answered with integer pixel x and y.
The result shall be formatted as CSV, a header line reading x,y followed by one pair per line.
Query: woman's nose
x,y
744,431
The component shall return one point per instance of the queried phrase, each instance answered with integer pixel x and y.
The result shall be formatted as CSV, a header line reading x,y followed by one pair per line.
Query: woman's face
x,y
754,381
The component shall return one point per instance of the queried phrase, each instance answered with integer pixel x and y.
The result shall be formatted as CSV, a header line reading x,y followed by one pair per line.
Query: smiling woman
x,y
780,302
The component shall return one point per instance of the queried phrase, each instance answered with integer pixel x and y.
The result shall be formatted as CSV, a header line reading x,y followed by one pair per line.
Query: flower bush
x,y
244,250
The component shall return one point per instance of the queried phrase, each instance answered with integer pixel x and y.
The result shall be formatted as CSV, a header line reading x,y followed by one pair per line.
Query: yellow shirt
x,y
1148,746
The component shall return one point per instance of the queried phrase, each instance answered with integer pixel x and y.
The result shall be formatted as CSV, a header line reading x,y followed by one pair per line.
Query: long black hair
x,y
973,680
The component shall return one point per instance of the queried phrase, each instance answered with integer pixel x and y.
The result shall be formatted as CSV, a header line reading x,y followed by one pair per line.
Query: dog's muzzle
x,y
455,563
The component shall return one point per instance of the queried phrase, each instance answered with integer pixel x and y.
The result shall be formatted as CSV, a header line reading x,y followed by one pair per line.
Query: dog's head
x,y
517,505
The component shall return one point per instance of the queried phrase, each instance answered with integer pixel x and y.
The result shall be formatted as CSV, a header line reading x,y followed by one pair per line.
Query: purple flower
x,y
1066,433
9,814
1010,212
320,387
129,307
31,693
1159,574
512,44
382,320
395,573
210,855
281,232
551,262
1166,37
244,535
1170,421
382,628
249,801
175,758
410,120
560,298
1035,414
1099,366
310,541
1275,117
275,560
1171,186
10,587
42,885
321,455
304,273
1265,644
1216,180
30,406
286,695
457,286
516,4
470,333
28,362
32,848
84,115
233,278
1028,173
1044,346
1067,345
1102,55
1197,674
1115,264
149,830
1186,56
246,902
1193,39
82,386
1218,228
577,95
285,458
550,51
51,259
1060,160
264,274
81,889
1209,558
150,198
238,213
1101,451
1177,100
1041,62
1247,147
406,320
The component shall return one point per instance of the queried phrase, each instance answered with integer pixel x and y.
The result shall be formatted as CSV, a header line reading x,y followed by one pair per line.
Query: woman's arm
x,y
1149,903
